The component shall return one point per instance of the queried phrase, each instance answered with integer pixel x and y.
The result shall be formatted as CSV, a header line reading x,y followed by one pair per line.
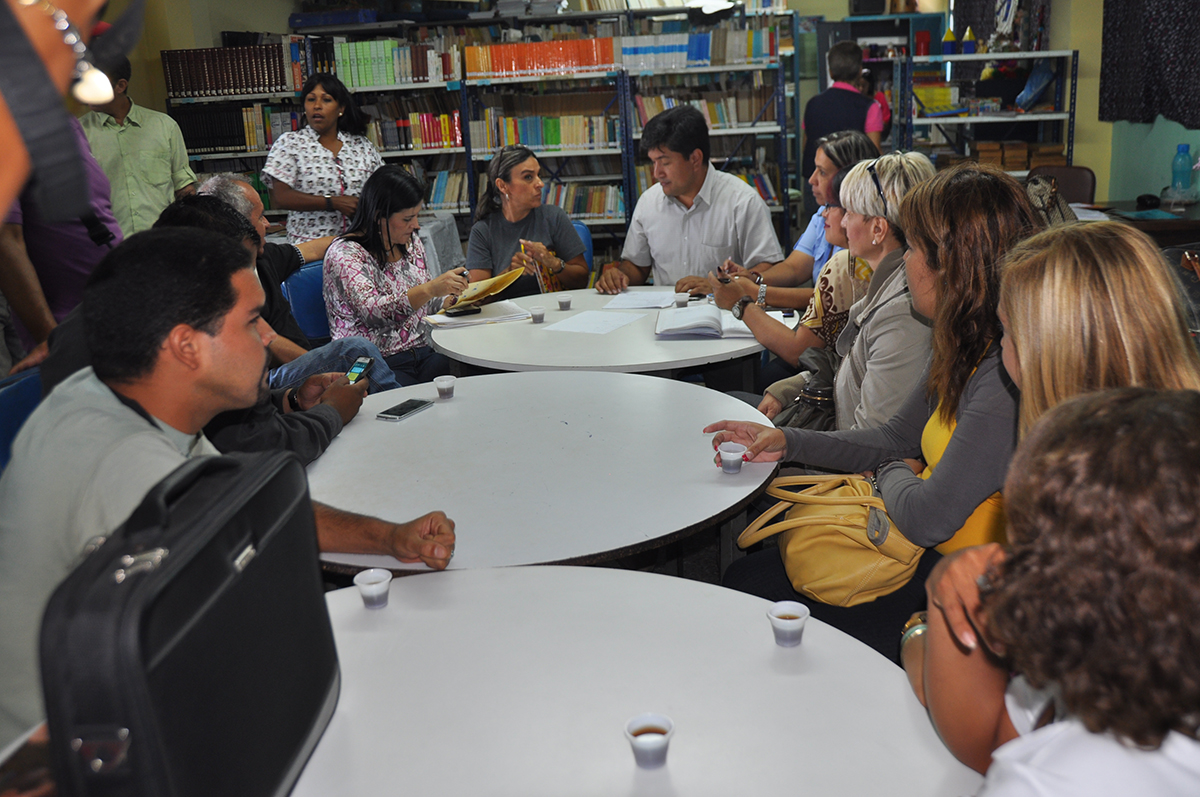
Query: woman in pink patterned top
x,y
376,284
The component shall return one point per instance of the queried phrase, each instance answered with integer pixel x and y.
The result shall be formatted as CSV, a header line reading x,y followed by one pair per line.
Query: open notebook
x,y
707,320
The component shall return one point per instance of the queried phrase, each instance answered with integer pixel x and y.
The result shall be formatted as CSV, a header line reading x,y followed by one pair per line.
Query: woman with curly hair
x,y
1084,307
940,461
1096,609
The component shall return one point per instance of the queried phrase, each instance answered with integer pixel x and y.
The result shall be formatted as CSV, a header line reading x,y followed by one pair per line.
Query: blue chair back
x,y
303,292
586,235
17,402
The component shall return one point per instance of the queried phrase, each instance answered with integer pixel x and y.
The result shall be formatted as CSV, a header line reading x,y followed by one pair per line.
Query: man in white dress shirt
x,y
694,218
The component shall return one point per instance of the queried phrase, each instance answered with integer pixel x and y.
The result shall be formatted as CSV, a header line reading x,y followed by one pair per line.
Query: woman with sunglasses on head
x,y
318,171
940,461
1084,307
835,152
513,230
884,345
376,284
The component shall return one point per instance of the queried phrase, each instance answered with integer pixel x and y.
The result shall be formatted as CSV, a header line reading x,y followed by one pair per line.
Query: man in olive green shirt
x,y
142,153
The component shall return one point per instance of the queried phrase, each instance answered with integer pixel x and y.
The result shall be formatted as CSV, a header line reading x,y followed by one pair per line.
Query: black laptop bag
x,y
191,652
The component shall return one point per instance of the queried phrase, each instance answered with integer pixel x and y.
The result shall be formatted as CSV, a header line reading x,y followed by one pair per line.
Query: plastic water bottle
x,y
1181,169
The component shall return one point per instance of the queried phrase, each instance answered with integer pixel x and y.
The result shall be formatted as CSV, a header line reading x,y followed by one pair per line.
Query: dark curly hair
x,y
1101,592
964,220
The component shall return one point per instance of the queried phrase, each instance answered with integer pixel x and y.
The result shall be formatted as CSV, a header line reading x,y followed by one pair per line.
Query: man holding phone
x,y
174,325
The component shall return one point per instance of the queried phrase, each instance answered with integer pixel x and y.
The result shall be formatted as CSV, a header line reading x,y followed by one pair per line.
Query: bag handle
x,y
759,530
155,507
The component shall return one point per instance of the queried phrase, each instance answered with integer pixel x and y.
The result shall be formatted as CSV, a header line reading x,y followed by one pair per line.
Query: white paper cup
x,y
374,585
445,386
731,456
681,299
538,313
649,735
787,621
564,301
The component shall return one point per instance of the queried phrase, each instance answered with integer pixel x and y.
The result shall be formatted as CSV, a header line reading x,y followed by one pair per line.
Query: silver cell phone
x,y
403,409
360,367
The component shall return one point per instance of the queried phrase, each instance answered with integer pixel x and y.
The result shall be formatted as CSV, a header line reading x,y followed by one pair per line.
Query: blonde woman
x,y
1084,307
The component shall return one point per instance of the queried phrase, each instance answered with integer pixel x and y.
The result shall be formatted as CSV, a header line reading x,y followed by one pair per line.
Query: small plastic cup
x,y
681,299
538,313
649,735
445,386
374,585
564,301
731,456
787,621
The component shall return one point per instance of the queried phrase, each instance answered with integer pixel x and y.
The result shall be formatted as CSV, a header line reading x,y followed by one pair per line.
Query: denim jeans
x,y
337,355
421,364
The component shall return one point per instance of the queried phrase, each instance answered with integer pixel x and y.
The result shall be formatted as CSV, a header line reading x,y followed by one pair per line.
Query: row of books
x,y
683,50
447,191
722,109
583,201
429,120
214,71
386,62
252,128
545,133
532,59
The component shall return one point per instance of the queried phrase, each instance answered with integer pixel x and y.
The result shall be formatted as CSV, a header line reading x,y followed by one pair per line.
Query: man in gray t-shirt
x,y
173,320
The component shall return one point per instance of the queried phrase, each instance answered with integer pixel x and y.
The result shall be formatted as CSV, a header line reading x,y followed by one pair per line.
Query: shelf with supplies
x,y
974,112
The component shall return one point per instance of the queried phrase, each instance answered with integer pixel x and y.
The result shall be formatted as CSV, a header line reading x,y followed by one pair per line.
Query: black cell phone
x,y
360,368
455,312
403,409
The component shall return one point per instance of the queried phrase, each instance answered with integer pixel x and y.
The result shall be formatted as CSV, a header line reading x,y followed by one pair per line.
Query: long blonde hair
x,y
1093,306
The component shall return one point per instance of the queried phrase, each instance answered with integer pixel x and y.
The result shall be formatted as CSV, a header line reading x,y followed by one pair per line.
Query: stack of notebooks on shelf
x,y
989,152
414,122
1016,155
1047,154
537,59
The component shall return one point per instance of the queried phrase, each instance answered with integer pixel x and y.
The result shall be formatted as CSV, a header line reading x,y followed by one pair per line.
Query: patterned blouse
x,y
842,282
363,299
298,159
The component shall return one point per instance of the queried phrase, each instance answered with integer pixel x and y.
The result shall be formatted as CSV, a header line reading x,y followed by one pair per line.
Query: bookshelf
x,y
442,98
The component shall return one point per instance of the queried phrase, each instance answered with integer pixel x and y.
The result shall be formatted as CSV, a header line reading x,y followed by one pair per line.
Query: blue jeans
x,y
334,356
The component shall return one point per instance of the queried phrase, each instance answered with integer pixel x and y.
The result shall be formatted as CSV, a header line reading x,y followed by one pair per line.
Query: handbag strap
x,y
759,530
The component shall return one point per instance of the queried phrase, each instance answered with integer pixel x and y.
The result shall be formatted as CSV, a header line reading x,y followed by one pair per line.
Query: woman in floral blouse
x,y
318,171
376,283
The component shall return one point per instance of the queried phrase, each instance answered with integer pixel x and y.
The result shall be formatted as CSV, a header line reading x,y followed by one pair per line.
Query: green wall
x,y
1141,156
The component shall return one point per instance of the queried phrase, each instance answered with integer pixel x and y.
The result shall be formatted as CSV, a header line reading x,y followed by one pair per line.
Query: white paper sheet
x,y
641,300
595,322
493,313
1088,213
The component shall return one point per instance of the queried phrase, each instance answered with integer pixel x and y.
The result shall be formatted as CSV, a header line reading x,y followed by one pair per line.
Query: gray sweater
x,y
928,511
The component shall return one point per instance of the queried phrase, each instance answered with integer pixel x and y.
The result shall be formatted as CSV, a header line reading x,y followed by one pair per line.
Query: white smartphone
x,y
403,409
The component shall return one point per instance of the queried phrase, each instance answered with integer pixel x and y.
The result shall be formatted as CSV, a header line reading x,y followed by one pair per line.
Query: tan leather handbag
x,y
837,542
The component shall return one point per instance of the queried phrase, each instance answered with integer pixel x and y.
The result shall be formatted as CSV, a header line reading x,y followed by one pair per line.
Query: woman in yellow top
x,y
940,461
1085,307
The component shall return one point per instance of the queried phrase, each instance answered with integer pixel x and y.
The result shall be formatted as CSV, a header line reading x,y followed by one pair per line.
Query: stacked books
x,y
721,109
388,62
723,46
429,120
220,71
1047,154
252,128
545,133
583,201
989,152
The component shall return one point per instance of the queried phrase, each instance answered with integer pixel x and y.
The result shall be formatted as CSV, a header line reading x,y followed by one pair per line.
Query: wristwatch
x,y
293,400
740,307
762,295
758,278
328,202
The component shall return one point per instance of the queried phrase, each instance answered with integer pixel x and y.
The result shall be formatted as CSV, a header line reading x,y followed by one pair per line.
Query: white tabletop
x,y
525,346
518,681
539,467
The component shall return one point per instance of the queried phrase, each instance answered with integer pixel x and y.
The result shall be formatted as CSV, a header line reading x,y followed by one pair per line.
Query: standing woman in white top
x,y
318,171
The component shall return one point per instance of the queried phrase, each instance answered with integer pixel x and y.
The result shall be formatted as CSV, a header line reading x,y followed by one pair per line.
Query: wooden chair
x,y
1075,183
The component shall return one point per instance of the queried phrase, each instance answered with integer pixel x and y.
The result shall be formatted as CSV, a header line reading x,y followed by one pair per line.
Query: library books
x,y
719,47
545,133
422,121
537,59
226,71
251,128
721,109
389,62
586,201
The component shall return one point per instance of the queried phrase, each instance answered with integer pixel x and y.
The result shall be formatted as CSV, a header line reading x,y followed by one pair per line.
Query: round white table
x,y
518,681
539,467
633,348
